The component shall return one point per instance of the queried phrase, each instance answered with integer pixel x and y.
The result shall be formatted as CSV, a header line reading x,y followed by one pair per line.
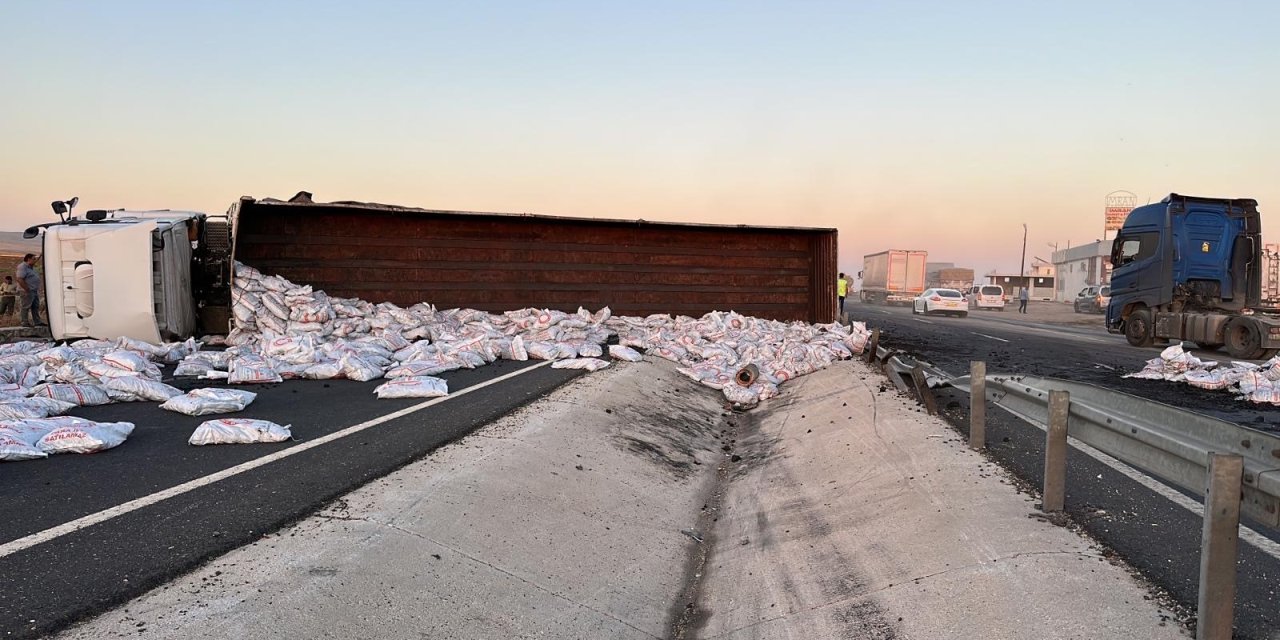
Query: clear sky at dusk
x,y
934,125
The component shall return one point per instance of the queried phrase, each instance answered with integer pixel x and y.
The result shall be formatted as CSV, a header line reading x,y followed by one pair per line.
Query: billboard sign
x,y
1116,208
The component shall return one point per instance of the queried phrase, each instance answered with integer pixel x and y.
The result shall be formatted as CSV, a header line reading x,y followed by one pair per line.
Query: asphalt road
x,y
1149,530
1011,344
54,582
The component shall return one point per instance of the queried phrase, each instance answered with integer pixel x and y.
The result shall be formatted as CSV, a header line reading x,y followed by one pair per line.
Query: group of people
x,y
23,294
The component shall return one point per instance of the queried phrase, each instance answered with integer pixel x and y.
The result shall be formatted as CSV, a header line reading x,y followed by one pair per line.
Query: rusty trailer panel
x,y
497,262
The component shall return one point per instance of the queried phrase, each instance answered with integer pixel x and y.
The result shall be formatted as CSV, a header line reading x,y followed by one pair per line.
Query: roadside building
x,y
1087,265
1271,274
1039,281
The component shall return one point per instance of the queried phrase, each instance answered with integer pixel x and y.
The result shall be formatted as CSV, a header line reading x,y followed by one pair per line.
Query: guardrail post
x,y
1055,452
873,345
978,405
923,390
1215,610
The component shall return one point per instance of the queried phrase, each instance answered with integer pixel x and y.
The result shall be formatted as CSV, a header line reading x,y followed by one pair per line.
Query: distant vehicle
x,y
1190,268
895,276
948,301
1092,300
986,296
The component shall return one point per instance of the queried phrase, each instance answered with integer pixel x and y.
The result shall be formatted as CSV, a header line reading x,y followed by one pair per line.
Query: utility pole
x,y
1022,266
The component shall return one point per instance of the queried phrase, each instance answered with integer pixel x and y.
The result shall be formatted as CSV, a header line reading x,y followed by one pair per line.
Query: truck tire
x,y
1243,338
1137,328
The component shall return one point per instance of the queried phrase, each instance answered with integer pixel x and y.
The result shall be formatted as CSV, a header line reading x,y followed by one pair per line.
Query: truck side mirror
x,y
30,233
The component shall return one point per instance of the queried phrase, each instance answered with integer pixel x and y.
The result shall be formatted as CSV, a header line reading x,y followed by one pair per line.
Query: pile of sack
x,y
293,331
283,330
1258,383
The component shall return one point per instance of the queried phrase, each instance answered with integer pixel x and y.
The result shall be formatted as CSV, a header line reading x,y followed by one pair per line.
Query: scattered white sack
x,y
18,438
590,364
622,352
589,350
202,402
413,387
251,371
358,369
193,365
38,407
421,368
141,388
127,360
239,431
82,395
14,447
85,436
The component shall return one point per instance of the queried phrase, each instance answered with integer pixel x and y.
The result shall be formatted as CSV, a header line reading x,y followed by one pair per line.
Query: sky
x,y
935,125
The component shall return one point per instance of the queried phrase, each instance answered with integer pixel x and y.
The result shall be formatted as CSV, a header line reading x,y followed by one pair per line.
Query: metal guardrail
x,y
1171,443
1165,441
1235,468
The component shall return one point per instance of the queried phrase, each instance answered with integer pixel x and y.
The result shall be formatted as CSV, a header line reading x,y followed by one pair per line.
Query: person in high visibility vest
x,y
842,290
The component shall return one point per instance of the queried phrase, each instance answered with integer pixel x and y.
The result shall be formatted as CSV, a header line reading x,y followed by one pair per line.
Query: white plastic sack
x,y
358,369
203,402
127,360
141,388
82,395
621,352
251,371
590,364
86,436
239,431
15,447
37,407
413,387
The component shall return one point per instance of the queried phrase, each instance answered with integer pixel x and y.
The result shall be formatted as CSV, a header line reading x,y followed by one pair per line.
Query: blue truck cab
x,y
1190,268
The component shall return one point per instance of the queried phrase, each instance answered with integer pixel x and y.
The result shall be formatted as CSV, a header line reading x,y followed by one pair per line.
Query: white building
x,y
1039,281
1084,266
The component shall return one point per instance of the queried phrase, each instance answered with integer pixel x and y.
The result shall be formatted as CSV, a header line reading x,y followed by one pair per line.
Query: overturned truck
x,y
155,275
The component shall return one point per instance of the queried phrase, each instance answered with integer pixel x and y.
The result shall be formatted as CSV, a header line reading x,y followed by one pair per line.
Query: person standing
x,y
842,290
29,283
8,296
1023,297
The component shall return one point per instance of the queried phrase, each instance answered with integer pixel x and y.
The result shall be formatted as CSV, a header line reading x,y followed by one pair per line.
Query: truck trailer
x,y
1190,268
156,275
895,276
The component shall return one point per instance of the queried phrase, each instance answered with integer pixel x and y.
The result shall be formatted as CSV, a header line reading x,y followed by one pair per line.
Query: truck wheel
x,y
1244,339
1137,329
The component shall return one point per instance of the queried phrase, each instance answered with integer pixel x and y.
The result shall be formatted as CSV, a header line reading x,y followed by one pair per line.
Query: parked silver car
x,y
1092,300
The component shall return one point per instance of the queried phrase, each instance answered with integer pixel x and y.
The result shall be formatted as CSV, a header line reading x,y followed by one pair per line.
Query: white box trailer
x,y
124,273
895,276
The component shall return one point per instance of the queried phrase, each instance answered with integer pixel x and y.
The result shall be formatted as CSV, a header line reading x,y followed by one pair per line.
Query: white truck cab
x,y
122,273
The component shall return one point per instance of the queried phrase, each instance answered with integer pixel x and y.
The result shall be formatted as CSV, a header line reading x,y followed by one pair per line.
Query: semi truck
x,y
895,276
164,275
1190,268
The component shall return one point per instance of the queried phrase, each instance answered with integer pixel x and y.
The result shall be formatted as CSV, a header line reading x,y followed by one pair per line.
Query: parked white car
x,y
934,301
986,296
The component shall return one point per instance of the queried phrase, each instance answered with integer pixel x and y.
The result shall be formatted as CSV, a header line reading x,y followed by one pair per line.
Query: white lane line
x,y
10,548
987,336
1263,543
923,320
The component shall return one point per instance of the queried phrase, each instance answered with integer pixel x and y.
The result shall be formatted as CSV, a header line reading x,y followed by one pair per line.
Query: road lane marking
x,y
923,320
12,547
987,336
1263,543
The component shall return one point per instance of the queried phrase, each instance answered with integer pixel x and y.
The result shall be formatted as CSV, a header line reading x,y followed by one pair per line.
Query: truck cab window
x,y
1138,247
